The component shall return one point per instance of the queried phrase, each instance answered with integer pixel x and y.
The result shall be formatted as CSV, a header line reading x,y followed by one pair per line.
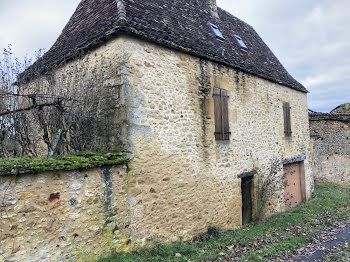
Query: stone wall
x,y
330,144
181,180
95,104
64,215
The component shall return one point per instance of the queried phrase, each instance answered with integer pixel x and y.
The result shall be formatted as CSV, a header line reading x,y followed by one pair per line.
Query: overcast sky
x,y
310,37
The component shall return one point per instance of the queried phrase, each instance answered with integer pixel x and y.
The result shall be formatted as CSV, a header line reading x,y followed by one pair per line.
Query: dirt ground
x,y
331,245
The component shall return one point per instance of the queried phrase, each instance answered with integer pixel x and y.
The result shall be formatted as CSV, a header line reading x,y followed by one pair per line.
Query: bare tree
x,y
10,123
66,111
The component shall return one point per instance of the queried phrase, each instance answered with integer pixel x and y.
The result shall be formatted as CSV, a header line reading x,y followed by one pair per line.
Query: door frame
x,y
252,176
301,161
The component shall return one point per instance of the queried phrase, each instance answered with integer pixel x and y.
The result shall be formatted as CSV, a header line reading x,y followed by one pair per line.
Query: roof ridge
x,y
235,17
122,17
318,116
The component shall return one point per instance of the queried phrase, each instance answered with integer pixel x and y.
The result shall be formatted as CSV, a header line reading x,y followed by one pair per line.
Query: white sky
x,y
310,37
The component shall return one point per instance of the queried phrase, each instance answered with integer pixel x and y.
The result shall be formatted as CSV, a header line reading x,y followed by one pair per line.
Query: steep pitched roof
x,y
179,24
342,109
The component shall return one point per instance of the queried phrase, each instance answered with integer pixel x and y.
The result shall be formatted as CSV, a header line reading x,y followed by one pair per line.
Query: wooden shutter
x,y
287,122
222,128
218,114
225,120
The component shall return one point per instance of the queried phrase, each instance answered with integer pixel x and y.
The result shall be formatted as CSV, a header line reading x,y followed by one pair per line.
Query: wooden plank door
x,y
292,182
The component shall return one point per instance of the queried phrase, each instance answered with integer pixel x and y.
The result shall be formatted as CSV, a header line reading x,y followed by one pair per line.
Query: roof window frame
x,y
215,29
240,42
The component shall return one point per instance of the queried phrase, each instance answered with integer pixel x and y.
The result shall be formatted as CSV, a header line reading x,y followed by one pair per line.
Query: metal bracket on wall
x,y
221,95
222,133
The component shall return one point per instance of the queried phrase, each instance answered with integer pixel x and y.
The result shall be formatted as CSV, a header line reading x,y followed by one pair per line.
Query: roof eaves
x,y
134,32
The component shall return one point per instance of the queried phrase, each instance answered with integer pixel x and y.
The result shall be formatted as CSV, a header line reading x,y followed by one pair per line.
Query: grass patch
x,y
77,161
259,241
339,254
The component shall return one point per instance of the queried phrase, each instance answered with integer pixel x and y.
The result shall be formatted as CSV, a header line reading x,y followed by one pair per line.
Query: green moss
x,y
112,244
77,161
132,29
176,46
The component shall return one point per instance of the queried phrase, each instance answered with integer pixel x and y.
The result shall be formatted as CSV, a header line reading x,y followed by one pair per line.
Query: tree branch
x,y
8,112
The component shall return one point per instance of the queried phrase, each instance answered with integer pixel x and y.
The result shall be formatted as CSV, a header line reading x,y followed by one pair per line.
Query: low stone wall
x,y
64,215
330,145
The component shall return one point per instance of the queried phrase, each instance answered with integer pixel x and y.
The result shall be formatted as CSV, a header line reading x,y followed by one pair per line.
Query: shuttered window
x,y
222,129
287,122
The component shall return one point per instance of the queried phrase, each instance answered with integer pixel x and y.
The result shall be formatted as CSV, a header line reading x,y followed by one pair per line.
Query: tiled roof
x,y
178,24
316,116
342,109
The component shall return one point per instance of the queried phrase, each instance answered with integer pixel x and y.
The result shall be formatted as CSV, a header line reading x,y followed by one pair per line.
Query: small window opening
x,y
217,32
240,42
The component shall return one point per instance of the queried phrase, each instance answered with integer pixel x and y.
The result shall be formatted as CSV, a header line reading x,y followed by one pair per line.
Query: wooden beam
x,y
247,174
292,160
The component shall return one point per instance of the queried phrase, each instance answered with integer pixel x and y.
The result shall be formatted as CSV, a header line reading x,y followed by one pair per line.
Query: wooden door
x,y
246,187
292,182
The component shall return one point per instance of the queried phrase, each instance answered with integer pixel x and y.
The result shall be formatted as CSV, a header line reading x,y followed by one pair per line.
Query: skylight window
x,y
217,32
240,42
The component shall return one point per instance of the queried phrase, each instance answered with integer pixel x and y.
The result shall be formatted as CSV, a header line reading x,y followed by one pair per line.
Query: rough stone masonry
x,y
146,72
330,144
180,179
64,215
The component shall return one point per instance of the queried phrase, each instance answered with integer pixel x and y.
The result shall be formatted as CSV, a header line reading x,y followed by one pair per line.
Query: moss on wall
x,y
77,161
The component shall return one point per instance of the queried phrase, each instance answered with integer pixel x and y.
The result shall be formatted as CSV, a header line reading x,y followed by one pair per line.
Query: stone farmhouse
x,y
330,145
215,128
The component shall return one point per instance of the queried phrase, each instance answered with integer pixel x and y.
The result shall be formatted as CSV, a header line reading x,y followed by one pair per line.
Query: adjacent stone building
x,y
330,144
212,123
342,109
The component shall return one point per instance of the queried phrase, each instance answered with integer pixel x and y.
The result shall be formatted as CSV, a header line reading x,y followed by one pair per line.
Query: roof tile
x,y
179,24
